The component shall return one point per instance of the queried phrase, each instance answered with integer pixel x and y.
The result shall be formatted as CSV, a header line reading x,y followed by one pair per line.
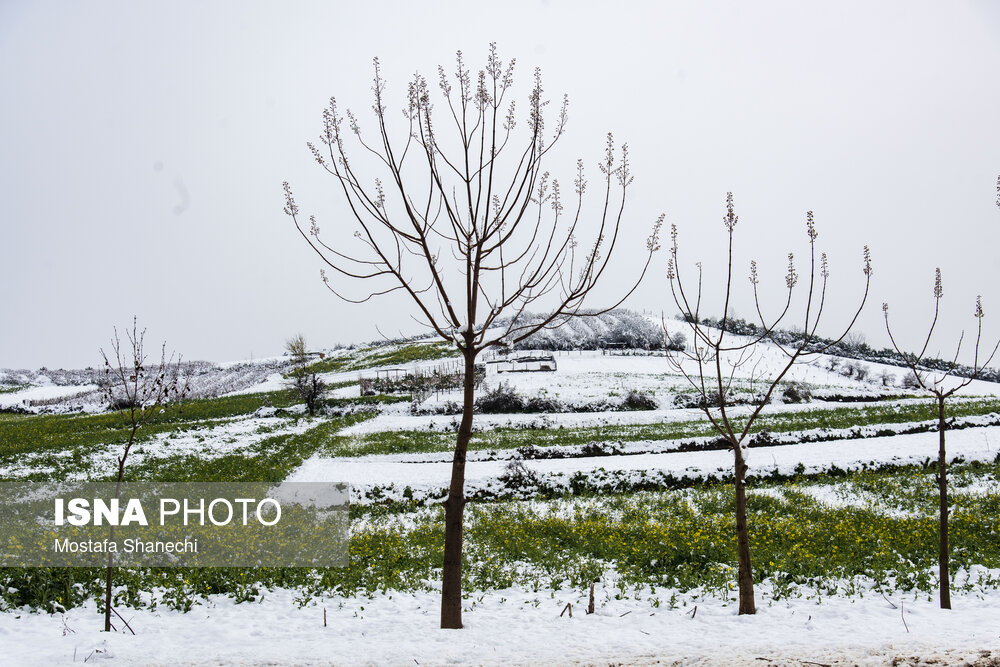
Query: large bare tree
x,y
463,218
716,356
942,383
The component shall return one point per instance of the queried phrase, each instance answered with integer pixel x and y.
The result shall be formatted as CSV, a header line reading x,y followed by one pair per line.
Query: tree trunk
x,y
109,574
107,588
942,479
454,507
745,575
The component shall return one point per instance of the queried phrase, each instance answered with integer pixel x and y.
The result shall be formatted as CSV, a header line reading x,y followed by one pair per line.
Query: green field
x,y
381,355
668,545
406,442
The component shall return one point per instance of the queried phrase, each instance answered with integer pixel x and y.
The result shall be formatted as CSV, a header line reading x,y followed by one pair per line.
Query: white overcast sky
x,y
143,146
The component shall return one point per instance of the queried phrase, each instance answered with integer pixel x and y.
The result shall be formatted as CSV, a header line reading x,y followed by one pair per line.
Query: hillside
x,y
603,470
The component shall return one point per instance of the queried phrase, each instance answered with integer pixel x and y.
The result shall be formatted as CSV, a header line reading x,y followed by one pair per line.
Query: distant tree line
x,y
853,347
618,328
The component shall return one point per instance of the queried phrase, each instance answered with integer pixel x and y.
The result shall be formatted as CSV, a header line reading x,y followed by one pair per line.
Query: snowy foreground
x,y
514,627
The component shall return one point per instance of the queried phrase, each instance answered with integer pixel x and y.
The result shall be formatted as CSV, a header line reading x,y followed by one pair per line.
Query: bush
x,y
500,400
542,404
636,400
696,400
910,381
797,392
853,369
518,477
599,449
303,380
308,387
120,404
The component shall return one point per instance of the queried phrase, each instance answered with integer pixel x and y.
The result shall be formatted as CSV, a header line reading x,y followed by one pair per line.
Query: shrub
x,y
500,400
797,392
910,381
518,477
303,380
542,404
636,400
691,400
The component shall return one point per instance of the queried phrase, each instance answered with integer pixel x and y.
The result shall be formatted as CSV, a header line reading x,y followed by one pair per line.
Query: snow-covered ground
x,y
43,392
514,627
589,377
396,417
427,474
209,441
524,627
76,390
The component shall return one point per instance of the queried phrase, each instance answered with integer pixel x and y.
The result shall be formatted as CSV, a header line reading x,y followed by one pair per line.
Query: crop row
x,y
415,441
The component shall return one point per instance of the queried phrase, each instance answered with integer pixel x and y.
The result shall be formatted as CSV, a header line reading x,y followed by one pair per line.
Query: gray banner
x,y
174,524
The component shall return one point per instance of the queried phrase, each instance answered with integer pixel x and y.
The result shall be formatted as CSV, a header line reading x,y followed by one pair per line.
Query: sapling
x,y
942,384
305,383
137,392
712,348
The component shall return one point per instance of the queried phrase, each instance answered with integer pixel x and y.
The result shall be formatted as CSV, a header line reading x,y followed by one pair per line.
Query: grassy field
x,y
406,442
853,533
62,446
668,547
372,357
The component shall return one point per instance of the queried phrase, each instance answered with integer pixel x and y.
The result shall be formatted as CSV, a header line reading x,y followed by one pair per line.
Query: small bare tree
x,y
305,383
942,384
470,227
717,355
137,391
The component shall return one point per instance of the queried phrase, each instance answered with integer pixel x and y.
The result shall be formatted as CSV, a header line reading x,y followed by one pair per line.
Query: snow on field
x,y
513,627
43,393
849,495
209,441
272,382
277,382
589,377
396,418
214,440
584,374
429,473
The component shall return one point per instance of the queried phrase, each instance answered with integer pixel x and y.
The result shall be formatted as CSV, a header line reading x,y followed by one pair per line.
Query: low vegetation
x,y
510,437
62,446
666,540
383,355
670,547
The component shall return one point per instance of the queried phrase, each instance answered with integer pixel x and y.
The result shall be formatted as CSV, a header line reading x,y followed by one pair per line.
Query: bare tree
x,y
942,384
304,382
470,227
716,355
136,391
